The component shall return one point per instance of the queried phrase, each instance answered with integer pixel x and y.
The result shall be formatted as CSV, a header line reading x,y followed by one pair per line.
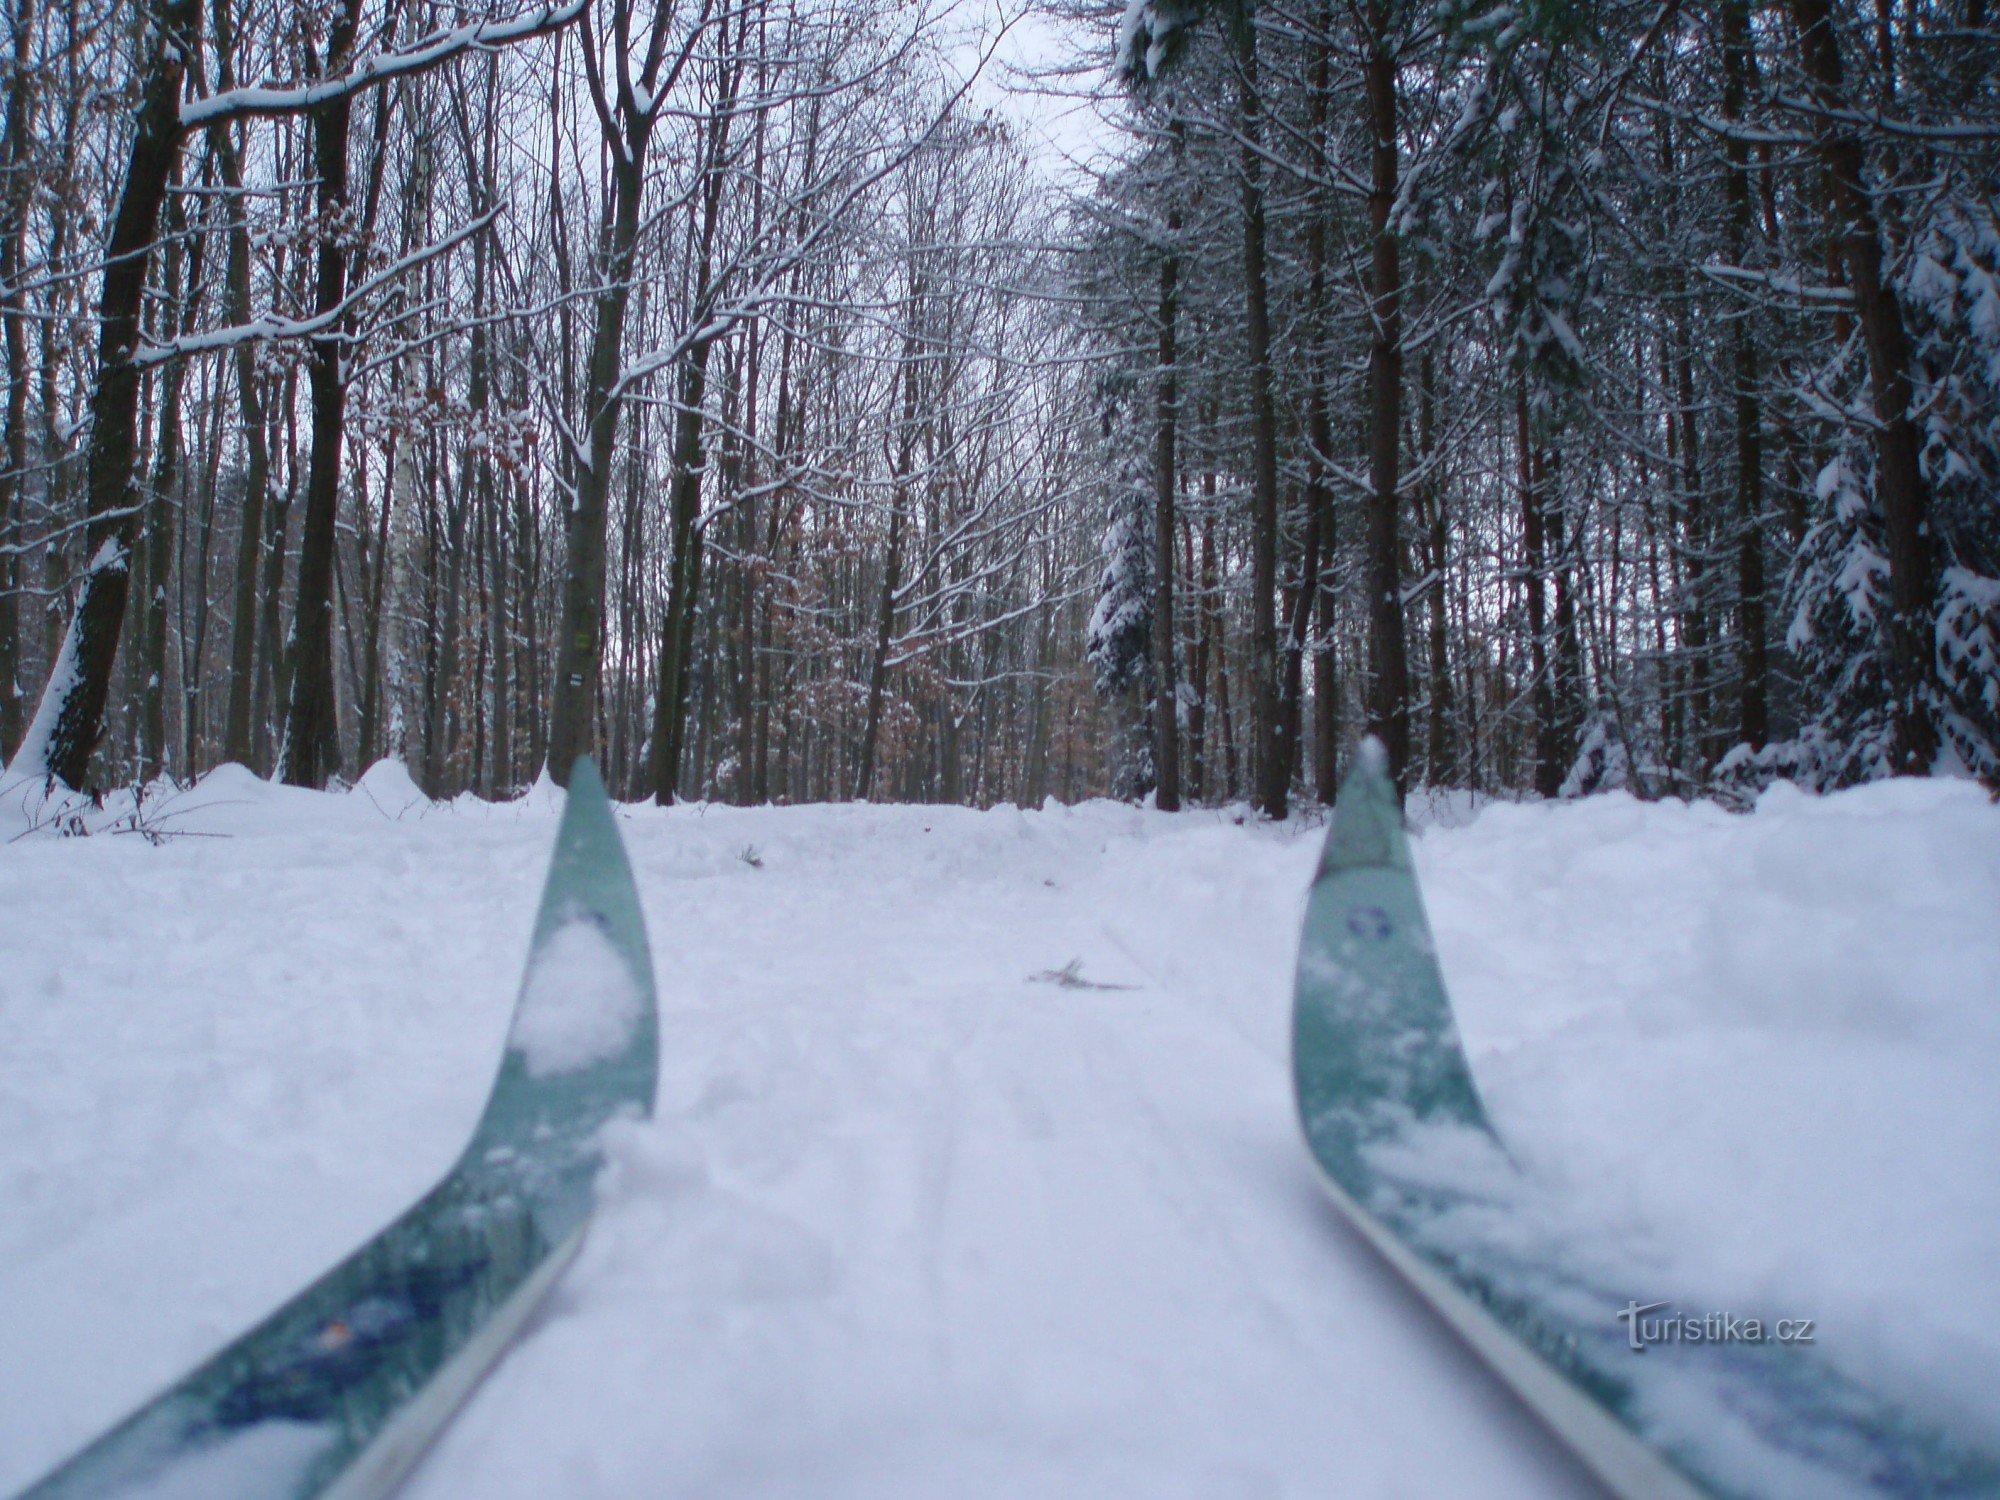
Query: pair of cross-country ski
x,y
338,1392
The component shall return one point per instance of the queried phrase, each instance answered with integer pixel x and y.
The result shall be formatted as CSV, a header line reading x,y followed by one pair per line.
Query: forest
x,y
1573,396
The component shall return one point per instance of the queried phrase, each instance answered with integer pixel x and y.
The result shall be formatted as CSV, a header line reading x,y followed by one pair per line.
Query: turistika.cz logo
x,y
1643,1331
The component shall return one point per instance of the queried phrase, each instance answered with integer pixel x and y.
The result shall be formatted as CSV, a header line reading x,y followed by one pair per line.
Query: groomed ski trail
x,y
916,1223
909,1219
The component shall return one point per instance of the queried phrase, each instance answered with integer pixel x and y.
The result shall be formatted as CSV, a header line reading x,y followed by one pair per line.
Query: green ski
x,y
1404,1147
338,1392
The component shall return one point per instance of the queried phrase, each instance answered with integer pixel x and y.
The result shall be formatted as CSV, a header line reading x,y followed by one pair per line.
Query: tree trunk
x,y
677,620
180,297
440,734
273,682
70,716
677,643
1566,686
1166,703
1436,751
1900,486
500,757
193,636
1753,712
311,750
1267,771
1691,548
14,198
579,643
237,744
1549,759
1389,698
885,620
1197,653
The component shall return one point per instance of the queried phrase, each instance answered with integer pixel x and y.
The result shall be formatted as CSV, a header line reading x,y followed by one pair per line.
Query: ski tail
x,y
336,1395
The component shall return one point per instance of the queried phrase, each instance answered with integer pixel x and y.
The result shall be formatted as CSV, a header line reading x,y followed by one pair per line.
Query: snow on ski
x,y
337,1393
1406,1151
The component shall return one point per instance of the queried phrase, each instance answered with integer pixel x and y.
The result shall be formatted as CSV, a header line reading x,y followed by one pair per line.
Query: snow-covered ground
x,y
920,1214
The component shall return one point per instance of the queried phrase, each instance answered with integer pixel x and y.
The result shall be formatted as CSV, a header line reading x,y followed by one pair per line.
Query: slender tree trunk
x,y
273,680
1326,684
474,478
579,642
1753,712
180,295
1436,751
677,644
1695,528
1900,485
1166,703
1197,655
237,744
1231,759
1566,688
70,716
311,749
1549,759
1389,698
1272,788
1315,626
885,620
1317,581
58,461
441,731
677,620
1300,601
500,760
14,198
193,642
374,590
747,571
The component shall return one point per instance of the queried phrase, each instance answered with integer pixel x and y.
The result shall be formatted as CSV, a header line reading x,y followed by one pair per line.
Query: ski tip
x,y
583,778
586,804
590,868
1367,816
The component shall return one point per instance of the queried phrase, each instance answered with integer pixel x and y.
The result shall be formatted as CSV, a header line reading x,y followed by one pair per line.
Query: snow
x,y
579,1003
1779,1080
31,756
908,1222
377,67
393,790
258,1459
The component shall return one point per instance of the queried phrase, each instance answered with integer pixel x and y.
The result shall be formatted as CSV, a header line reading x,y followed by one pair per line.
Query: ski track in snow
x,y
908,1222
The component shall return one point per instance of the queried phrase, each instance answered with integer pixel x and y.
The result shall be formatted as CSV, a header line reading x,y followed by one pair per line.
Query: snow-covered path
x,y
912,1220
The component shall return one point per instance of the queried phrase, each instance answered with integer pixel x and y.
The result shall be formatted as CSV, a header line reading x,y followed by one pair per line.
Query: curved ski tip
x,y
1367,815
583,778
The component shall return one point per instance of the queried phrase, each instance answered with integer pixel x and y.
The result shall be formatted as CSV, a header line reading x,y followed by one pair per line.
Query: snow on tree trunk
x,y
1119,640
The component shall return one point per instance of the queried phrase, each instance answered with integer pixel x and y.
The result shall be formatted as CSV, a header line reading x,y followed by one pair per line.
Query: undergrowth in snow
x,y
909,1221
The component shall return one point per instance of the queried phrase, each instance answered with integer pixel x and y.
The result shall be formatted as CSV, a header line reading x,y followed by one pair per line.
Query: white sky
x,y
1050,82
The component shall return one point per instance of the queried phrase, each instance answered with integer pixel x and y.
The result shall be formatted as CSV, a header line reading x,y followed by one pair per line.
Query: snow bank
x,y
1761,1050
389,785
910,1222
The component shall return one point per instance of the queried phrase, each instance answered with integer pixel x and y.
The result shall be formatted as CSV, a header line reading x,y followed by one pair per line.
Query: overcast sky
x,y
1051,82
